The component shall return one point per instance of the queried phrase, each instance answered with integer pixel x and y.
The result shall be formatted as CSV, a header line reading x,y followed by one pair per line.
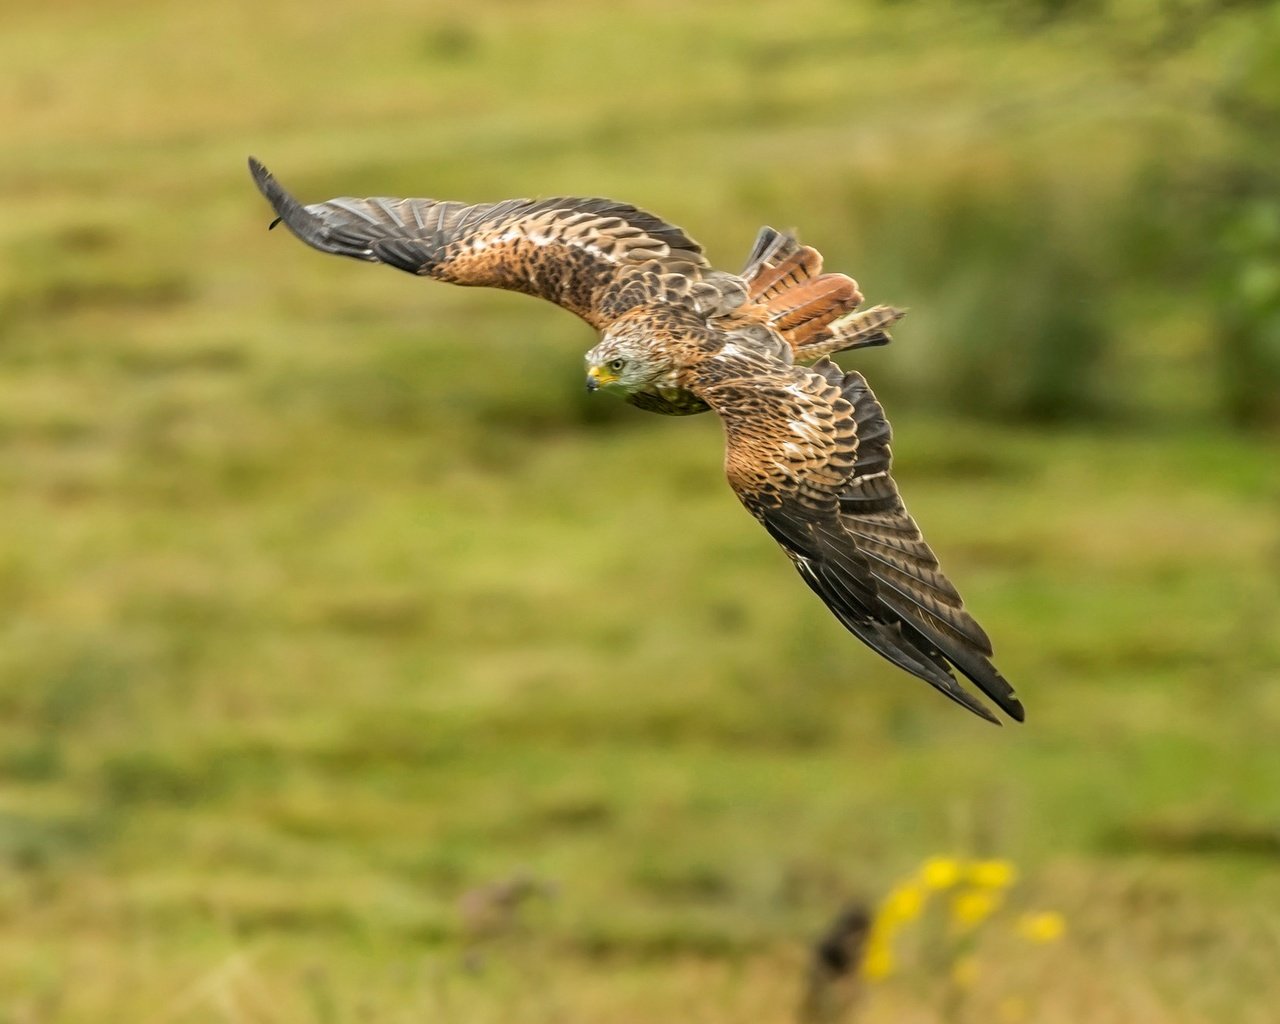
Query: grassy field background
x,y
334,617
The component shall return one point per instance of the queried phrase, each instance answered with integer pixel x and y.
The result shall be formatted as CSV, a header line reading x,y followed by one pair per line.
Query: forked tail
x,y
815,312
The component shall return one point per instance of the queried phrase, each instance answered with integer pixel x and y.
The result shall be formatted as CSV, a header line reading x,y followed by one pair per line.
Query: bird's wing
x,y
808,455
595,257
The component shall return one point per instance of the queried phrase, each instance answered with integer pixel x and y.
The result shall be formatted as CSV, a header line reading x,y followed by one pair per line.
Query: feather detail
x,y
819,300
773,281
814,311
808,455
595,257
866,328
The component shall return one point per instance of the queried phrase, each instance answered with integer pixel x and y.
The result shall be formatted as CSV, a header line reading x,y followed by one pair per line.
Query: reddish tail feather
x,y
802,303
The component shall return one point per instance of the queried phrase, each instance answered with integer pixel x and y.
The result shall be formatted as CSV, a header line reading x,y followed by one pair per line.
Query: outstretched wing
x,y
595,257
808,455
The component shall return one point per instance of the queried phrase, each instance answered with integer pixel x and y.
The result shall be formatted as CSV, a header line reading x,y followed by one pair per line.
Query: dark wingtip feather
x,y
264,179
983,674
303,222
280,200
265,182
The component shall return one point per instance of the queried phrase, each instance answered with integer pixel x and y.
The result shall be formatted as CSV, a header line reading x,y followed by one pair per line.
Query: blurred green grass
x,y
328,599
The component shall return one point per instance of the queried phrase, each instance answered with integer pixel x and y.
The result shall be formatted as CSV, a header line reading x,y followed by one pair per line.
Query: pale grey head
x,y
629,362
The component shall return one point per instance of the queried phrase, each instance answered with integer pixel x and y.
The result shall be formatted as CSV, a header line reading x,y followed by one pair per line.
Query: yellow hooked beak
x,y
598,377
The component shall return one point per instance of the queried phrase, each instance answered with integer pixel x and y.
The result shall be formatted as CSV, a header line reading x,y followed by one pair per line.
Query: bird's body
x,y
807,446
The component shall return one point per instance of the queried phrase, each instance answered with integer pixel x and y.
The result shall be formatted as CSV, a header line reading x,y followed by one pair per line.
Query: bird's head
x,y
626,362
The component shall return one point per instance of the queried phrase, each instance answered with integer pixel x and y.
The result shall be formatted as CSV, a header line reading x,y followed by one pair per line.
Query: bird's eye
x,y
616,365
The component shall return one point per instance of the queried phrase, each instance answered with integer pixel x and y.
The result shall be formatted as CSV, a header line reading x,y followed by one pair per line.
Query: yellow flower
x,y
964,972
878,963
939,873
971,907
1042,928
903,904
992,874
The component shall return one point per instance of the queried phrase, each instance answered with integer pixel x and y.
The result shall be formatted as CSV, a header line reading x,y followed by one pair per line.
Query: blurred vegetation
x,y
356,666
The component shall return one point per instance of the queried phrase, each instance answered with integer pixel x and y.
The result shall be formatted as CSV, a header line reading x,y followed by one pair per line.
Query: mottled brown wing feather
x,y
808,454
595,257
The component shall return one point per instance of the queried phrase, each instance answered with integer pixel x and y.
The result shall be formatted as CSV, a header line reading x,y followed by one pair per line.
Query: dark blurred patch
x,y
63,428
499,908
1010,553
961,459
727,618
541,413
1026,330
831,985
314,824
406,741
809,882
38,760
67,291
454,41
289,916
1212,837
666,939
66,295
86,238
744,725
1037,15
1249,293
217,358
156,776
190,775
30,841
685,883
370,397
572,812
85,268
385,613
1128,653
81,685
445,867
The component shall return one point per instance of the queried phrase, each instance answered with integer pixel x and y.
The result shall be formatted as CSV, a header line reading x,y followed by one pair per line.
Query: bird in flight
x,y
807,444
